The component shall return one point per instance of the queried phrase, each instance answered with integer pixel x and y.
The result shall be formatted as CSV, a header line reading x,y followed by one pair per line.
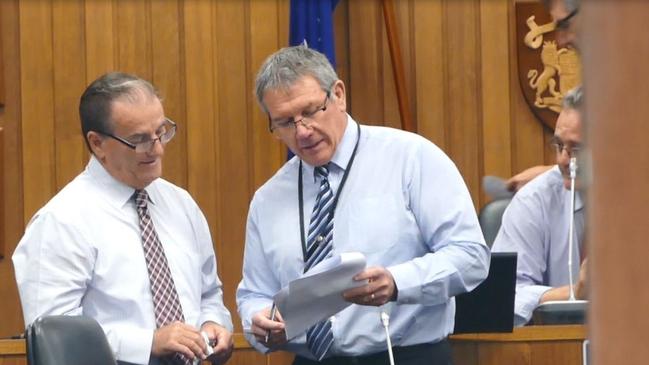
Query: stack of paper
x,y
317,295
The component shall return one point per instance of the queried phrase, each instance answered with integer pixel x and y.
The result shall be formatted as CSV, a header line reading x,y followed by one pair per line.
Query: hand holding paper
x,y
317,295
380,287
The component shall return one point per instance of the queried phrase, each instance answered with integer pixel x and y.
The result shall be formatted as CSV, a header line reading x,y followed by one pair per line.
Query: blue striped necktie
x,y
319,338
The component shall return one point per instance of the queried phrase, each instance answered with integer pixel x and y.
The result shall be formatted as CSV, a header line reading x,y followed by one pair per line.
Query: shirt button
x,y
319,239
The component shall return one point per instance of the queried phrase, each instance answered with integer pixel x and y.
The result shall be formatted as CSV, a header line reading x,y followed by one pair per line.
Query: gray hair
x,y
286,66
570,5
573,98
96,102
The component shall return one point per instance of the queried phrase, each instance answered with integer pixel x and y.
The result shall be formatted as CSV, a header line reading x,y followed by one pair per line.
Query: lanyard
x,y
335,202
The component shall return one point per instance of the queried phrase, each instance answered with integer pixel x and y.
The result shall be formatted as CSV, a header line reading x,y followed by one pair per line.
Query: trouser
x,y
438,353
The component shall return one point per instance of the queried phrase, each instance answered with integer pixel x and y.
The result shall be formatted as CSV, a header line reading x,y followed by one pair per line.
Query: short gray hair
x,y
573,98
286,66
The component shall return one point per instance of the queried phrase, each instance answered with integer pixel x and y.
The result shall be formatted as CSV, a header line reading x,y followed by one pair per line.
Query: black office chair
x,y
490,218
67,340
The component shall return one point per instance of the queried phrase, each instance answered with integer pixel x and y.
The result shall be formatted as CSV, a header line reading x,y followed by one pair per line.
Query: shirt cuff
x,y
402,275
222,320
527,299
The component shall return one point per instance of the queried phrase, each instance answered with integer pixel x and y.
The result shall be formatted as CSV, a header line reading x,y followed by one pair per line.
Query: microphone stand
x,y
571,311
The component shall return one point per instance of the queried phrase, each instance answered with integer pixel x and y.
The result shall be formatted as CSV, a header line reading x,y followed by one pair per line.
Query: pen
x,y
273,310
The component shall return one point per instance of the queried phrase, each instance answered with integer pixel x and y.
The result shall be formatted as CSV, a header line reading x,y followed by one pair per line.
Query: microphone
x,y
385,320
569,311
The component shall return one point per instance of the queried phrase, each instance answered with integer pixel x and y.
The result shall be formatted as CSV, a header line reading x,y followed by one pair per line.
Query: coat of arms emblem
x,y
546,71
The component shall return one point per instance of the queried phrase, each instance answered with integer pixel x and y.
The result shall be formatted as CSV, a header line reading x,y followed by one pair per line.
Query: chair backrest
x,y
490,217
67,340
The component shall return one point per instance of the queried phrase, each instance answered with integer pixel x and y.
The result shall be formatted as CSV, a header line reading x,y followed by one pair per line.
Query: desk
x,y
12,352
531,345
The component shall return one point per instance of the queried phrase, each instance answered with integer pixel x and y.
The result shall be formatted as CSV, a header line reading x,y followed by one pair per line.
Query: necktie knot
x,y
141,198
322,171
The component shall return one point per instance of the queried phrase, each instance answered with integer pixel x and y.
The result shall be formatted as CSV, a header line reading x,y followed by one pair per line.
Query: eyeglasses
x,y
287,126
564,24
166,132
560,147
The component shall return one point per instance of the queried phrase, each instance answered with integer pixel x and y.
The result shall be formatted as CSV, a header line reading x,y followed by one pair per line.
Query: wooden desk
x,y
533,345
12,352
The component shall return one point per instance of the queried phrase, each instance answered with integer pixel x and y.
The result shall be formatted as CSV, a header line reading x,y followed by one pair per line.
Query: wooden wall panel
x,y
167,67
68,58
365,62
496,117
267,34
2,74
100,38
36,77
233,179
203,56
429,70
133,25
11,322
463,114
616,53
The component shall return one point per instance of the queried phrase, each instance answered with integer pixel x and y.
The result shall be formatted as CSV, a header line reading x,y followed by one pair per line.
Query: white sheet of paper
x,y
317,295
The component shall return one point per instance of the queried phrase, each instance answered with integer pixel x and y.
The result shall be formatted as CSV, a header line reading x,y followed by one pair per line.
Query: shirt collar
x,y
119,193
343,152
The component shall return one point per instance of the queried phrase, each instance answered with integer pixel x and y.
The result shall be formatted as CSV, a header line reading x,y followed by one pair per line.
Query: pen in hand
x,y
273,310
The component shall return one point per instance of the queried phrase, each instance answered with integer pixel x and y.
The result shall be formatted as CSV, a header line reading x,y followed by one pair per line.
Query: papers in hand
x,y
317,294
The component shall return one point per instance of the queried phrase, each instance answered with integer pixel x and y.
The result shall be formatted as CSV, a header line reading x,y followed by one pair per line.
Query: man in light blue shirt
x,y
400,201
536,225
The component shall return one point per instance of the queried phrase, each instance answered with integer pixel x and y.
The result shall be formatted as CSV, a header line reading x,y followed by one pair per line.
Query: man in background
x,y
124,246
564,14
536,224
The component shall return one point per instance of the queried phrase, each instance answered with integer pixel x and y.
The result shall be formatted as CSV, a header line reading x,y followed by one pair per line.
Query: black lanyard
x,y
335,202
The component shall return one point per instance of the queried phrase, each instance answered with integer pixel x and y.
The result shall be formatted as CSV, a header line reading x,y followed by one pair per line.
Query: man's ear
x,y
96,142
338,94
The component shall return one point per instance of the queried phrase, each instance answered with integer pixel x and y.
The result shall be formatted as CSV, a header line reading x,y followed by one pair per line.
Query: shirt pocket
x,y
372,225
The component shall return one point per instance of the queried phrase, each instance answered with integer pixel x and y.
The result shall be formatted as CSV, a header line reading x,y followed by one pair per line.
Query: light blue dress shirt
x,y
405,206
536,225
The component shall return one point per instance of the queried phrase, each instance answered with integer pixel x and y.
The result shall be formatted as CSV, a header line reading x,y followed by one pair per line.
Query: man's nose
x,y
301,131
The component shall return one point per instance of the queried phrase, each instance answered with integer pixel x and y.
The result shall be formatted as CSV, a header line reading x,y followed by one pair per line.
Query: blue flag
x,y
312,21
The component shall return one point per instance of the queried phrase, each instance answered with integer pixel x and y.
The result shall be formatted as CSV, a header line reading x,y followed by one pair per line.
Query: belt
x,y
439,352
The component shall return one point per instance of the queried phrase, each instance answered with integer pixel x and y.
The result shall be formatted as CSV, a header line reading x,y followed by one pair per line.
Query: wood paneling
x,y
615,53
533,345
14,352
203,55
2,194
11,321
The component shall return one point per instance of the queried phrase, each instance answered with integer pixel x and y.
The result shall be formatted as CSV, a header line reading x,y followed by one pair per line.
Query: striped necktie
x,y
166,304
319,338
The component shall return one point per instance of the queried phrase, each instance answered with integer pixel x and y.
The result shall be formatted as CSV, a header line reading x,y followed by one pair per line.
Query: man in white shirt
x,y
564,14
392,195
144,268
536,224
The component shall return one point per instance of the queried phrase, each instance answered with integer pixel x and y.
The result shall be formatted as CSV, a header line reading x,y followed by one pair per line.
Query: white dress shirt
x,y
536,225
405,206
82,255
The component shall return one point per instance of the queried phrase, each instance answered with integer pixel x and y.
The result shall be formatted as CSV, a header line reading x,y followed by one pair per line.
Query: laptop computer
x,y
490,306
